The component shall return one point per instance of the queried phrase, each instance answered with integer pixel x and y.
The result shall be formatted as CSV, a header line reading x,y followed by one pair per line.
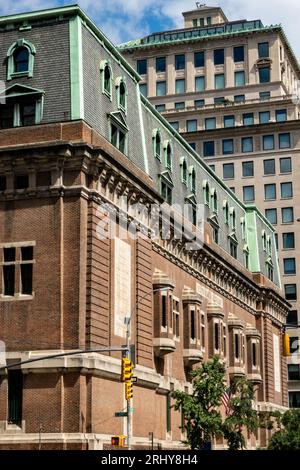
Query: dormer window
x,y
24,106
121,94
20,59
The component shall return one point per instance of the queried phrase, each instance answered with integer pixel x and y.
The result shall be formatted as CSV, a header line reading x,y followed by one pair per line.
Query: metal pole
x,y
129,402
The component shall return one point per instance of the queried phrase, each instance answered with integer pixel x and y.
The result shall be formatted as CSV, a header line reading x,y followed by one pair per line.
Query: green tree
x,y
287,437
203,420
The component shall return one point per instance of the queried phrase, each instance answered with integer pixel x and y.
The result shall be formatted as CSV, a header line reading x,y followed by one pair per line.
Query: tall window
x,y
168,155
219,56
206,193
289,265
239,54
288,241
166,191
160,64
268,142
248,169
239,78
144,91
287,214
263,50
107,80
286,190
209,148
17,263
219,81
118,137
227,146
180,62
200,83
284,140
210,123
192,175
184,174
199,59
161,88
180,86
264,74
286,165
269,167
228,171
157,144
248,193
6,116
229,121
21,59
290,292
247,144
271,215
15,395
264,117
191,125
226,212
141,66
270,192
248,119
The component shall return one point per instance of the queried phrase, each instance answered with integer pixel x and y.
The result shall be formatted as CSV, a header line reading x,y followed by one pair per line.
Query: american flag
x,y
225,398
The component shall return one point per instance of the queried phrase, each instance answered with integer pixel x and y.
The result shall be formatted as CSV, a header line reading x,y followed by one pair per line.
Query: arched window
x,y
20,59
168,154
206,194
233,218
226,212
156,143
269,246
214,198
183,168
121,93
192,173
106,77
264,240
243,227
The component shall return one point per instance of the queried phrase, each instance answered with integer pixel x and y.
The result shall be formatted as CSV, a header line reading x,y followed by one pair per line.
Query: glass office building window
x,y
289,266
247,144
288,241
180,62
209,148
248,169
180,85
285,165
210,123
269,167
239,78
287,215
263,50
191,125
219,56
264,74
271,215
141,66
284,140
219,81
268,142
161,89
290,291
228,171
248,119
239,54
281,115
286,190
229,121
264,117
160,64
199,59
270,192
248,193
227,146
200,83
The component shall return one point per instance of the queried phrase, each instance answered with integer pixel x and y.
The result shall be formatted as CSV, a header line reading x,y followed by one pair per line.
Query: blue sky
x,y
129,19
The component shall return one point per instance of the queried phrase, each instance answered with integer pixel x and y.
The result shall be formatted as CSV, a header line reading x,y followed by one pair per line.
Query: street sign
x,y
120,414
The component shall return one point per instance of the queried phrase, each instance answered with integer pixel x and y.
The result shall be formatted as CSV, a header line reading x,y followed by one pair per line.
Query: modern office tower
x,y
231,89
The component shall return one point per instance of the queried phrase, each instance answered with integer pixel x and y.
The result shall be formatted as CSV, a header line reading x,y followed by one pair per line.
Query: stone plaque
x,y
122,286
277,367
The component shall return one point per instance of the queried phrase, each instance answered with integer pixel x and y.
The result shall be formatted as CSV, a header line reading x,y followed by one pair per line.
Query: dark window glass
x,y
236,346
161,88
199,59
294,399
228,171
114,135
27,253
122,141
144,91
254,358
290,291
239,98
209,149
210,123
166,192
201,22
160,107
268,142
160,64
247,144
270,192
294,371
263,50
107,79
15,393
180,85
191,125
164,310
292,318
219,81
180,62
142,66
288,241
27,114
208,21
233,250
271,215
284,140
248,193
219,56
193,145
264,74
248,169
239,54
199,103
219,100
285,165
227,146
269,167
289,265
26,279
21,182
175,125
286,190
217,345
180,105
21,59
6,116
2,183
193,324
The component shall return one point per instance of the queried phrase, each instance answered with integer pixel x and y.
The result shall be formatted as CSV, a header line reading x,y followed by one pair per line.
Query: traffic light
x,y
118,441
127,369
128,390
286,345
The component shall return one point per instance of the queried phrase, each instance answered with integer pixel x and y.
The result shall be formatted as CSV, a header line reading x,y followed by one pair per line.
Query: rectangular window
x,y
180,85
208,20
271,215
265,95
294,399
193,326
264,74
216,334
26,269
239,98
175,125
2,183
248,119
219,56
288,241
168,412
180,62
209,149
213,167
248,169
248,193
236,346
6,116
281,115
284,140
180,105
239,78
210,123
263,50
227,146
21,181
254,357
201,22
143,89
27,114
264,117
176,331
160,64
161,88
269,167
286,190
290,291
233,249
239,54
292,318
219,100
15,395
219,81
228,171
200,83
9,271
294,372
192,145
166,192
195,22
247,144
268,142
160,107
286,165
141,66
199,103
289,265
199,59
287,214
191,125
270,192
229,121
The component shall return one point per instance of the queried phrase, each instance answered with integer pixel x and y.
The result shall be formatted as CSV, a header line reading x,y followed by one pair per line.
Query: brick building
x,y
75,134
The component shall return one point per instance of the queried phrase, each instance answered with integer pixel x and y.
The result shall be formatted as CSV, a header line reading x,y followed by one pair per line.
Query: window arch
x,y
214,200
122,93
226,212
192,178
183,170
20,59
168,154
156,143
206,193
106,77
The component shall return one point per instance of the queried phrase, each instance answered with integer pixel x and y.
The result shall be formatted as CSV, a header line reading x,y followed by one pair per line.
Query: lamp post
x,y
127,321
